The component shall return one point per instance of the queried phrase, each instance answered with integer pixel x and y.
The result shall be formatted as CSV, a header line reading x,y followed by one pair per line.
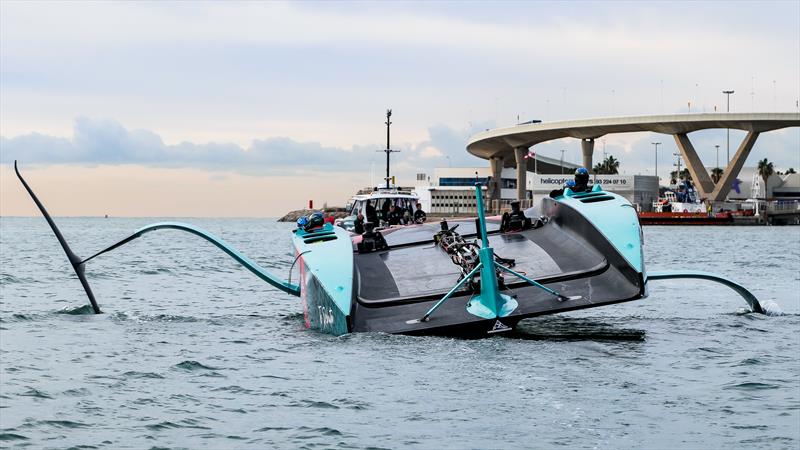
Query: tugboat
x,y
683,206
471,278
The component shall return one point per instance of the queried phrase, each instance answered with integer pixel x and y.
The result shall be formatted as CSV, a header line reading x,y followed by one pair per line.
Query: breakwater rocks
x,y
292,216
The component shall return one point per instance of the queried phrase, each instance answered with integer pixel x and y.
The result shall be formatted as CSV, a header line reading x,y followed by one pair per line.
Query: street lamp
x,y
717,155
728,95
656,144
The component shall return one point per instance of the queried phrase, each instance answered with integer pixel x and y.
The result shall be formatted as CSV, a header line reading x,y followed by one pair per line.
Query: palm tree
x,y
686,175
765,170
609,166
716,174
673,177
612,165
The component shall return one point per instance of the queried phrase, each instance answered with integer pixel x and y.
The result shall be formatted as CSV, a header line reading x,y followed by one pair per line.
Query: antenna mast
x,y
388,146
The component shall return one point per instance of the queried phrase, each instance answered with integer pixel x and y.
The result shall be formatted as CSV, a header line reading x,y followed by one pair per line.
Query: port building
x,y
451,190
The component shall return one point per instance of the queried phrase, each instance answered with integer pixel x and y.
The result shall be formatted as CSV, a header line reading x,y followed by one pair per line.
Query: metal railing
x,y
781,206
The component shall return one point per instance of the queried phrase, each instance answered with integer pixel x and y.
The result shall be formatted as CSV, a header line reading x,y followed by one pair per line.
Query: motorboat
x,y
381,198
467,277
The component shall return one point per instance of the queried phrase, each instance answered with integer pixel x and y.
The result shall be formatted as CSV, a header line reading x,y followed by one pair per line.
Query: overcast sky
x,y
250,109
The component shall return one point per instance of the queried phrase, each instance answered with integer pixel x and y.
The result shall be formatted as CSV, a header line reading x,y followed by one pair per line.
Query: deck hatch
x,y
601,198
587,194
319,237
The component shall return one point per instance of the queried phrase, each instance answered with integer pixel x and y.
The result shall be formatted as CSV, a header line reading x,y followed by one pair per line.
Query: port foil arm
x,y
741,290
74,259
248,264
78,264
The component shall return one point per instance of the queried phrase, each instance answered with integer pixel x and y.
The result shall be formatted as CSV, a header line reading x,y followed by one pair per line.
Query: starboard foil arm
x,y
78,264
741,290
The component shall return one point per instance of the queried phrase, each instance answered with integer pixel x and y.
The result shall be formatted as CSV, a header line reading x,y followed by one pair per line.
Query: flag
x,y
735,185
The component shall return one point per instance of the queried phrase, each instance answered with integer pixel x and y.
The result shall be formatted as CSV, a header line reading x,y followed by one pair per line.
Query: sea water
x,y
193,351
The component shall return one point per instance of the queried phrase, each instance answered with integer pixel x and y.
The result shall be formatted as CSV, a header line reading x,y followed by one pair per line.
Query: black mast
x,y
388,147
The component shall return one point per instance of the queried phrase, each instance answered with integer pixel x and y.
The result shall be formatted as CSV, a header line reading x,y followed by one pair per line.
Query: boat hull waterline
x,y
586,253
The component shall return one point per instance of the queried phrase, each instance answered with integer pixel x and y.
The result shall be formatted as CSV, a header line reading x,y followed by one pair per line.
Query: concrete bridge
x,y
508,146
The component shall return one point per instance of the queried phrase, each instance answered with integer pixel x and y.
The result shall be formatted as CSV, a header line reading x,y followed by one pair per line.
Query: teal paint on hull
x,y
322,312
616,219
329,264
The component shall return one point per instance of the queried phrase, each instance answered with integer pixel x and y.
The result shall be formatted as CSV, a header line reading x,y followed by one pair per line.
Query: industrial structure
x,y
509,147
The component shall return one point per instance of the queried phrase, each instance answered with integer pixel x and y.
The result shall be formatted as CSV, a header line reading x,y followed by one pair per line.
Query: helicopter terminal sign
x,y
546,183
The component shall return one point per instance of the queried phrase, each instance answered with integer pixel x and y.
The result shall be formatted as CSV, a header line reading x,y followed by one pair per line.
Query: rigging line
x,y
293,263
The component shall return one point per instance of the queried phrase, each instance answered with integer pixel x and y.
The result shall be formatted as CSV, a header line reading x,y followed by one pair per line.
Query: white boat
x,y
381,197
684,199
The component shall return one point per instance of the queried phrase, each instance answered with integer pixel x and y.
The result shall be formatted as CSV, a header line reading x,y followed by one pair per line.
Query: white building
x,y
448,200
779,187
451,189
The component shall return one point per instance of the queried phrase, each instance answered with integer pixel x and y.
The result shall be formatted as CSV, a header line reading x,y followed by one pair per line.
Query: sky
x,y
251,109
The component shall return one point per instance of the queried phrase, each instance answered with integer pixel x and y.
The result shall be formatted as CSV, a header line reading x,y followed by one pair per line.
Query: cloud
x,y
447,146
430,152
107,142
235,69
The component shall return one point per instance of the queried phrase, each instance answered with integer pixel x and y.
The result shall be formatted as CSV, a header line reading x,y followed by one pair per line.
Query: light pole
x,y
678,155
728,148
717,155
656,144
562,161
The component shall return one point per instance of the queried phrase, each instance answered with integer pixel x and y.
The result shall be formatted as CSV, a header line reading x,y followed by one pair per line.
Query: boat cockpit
x,y
382,201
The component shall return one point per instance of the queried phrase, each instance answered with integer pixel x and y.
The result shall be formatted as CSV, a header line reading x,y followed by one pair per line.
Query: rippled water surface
x,y
195,352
